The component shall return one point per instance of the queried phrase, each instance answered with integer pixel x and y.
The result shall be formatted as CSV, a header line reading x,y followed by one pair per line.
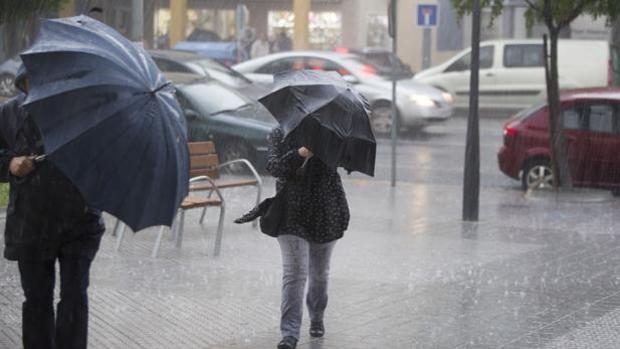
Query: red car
x,y
591,119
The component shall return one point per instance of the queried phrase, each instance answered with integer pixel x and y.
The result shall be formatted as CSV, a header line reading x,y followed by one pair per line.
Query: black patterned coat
x,y
317,208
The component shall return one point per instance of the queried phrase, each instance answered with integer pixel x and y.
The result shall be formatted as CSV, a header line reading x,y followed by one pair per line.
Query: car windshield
x,y
212,98
222,73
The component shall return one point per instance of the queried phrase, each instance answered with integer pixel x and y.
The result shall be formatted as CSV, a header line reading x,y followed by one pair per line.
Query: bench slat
x,y
203,161
201,148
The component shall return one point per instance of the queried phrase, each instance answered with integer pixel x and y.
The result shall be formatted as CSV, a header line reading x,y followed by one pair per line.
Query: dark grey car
x,y
186,62
239,126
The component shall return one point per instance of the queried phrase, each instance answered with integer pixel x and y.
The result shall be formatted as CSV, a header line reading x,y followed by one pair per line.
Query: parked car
x,y
417,104
385,61
238,125
8,70
186,62
512,74
591,120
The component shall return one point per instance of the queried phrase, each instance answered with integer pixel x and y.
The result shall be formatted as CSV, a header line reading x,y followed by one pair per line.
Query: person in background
x,y
261,46
246,40
283,42
46,220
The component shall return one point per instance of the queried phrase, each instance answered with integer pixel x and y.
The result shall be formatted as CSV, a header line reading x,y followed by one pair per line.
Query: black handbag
x,y
271,211
275,214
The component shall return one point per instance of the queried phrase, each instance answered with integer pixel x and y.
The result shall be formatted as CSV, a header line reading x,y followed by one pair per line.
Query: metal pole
x,y
394,98
137,20
426,48
471,179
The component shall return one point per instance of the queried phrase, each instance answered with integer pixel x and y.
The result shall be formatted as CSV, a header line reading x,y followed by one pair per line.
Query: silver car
x,y
417,104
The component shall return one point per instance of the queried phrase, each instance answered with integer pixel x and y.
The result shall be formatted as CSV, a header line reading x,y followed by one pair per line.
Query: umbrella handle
x,y
305,162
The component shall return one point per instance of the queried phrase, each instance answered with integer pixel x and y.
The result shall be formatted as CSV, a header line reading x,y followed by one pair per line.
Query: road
x,y
436,154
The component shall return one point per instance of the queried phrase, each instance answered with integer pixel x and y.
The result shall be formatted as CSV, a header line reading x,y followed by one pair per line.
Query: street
x,y
535,272
435,155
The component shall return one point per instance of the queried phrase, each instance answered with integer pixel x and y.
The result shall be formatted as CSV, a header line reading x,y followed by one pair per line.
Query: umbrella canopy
x,y
109,120
325,114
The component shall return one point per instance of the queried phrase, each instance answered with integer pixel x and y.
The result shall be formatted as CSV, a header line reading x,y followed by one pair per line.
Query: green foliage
x,y
4,194
556,14
14,10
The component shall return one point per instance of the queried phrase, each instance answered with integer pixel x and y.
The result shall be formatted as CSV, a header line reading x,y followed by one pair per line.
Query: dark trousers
x,y
40,330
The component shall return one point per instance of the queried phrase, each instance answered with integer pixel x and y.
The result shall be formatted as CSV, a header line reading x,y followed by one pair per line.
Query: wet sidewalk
x,y
533,273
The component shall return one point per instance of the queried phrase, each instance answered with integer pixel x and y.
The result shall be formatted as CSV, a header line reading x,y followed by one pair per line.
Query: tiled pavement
x,y
532,274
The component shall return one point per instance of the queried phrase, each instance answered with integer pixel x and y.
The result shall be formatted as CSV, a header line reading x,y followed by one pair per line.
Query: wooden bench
x,y
205,176
205,162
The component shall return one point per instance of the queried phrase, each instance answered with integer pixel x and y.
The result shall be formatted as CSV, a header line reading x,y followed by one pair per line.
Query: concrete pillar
x,y
67,9
149,23
137,20
178,21
520,25
353,25
301,9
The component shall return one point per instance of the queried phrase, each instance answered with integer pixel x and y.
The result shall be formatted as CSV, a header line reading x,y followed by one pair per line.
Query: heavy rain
x,y
354,174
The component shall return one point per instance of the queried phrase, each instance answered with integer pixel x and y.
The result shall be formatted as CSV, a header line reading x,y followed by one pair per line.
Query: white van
x,y
512,74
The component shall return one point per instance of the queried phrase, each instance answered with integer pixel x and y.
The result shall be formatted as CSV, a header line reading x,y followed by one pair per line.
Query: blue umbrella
x,y
109,120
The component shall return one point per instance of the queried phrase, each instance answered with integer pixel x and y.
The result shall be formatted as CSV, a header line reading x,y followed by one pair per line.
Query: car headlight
x,y
422,101
447,96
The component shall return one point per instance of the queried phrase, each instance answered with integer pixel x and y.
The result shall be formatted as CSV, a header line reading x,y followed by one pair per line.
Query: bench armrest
x,y
210,180
248,164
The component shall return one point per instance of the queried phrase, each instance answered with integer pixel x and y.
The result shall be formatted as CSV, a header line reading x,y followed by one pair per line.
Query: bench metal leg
x,y
259,191
204,210
180,227
220,228
119,232
158,242
115,230
174,228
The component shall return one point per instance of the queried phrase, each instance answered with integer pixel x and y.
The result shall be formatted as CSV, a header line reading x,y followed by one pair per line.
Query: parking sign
x,y
428,15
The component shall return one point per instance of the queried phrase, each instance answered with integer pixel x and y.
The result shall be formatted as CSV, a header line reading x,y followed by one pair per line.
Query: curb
x,y
574,195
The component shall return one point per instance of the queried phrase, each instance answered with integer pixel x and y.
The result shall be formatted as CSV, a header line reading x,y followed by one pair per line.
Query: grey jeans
x,y
301,261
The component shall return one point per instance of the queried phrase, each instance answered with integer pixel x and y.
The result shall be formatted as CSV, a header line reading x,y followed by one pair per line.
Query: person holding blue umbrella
x,y
47,220
97,128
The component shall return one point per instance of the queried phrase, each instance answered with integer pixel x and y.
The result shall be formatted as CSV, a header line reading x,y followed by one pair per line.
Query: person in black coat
x,y
316,216
46,220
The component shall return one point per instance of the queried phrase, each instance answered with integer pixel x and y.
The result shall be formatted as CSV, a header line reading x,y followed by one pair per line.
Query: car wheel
x,y
381,119
232,150
537,174
7,85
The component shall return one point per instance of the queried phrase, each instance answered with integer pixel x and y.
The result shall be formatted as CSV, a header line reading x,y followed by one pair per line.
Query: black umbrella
x,y
109,120
322,112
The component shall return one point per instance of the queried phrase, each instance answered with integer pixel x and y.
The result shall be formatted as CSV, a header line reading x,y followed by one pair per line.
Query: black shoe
x,y
288,343
317,329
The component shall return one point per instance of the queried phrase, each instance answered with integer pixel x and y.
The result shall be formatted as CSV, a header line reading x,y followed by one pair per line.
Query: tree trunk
x,y
559,160
616,32
471,178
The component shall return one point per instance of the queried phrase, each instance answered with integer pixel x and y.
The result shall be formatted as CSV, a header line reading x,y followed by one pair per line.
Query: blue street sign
x,y
428,15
